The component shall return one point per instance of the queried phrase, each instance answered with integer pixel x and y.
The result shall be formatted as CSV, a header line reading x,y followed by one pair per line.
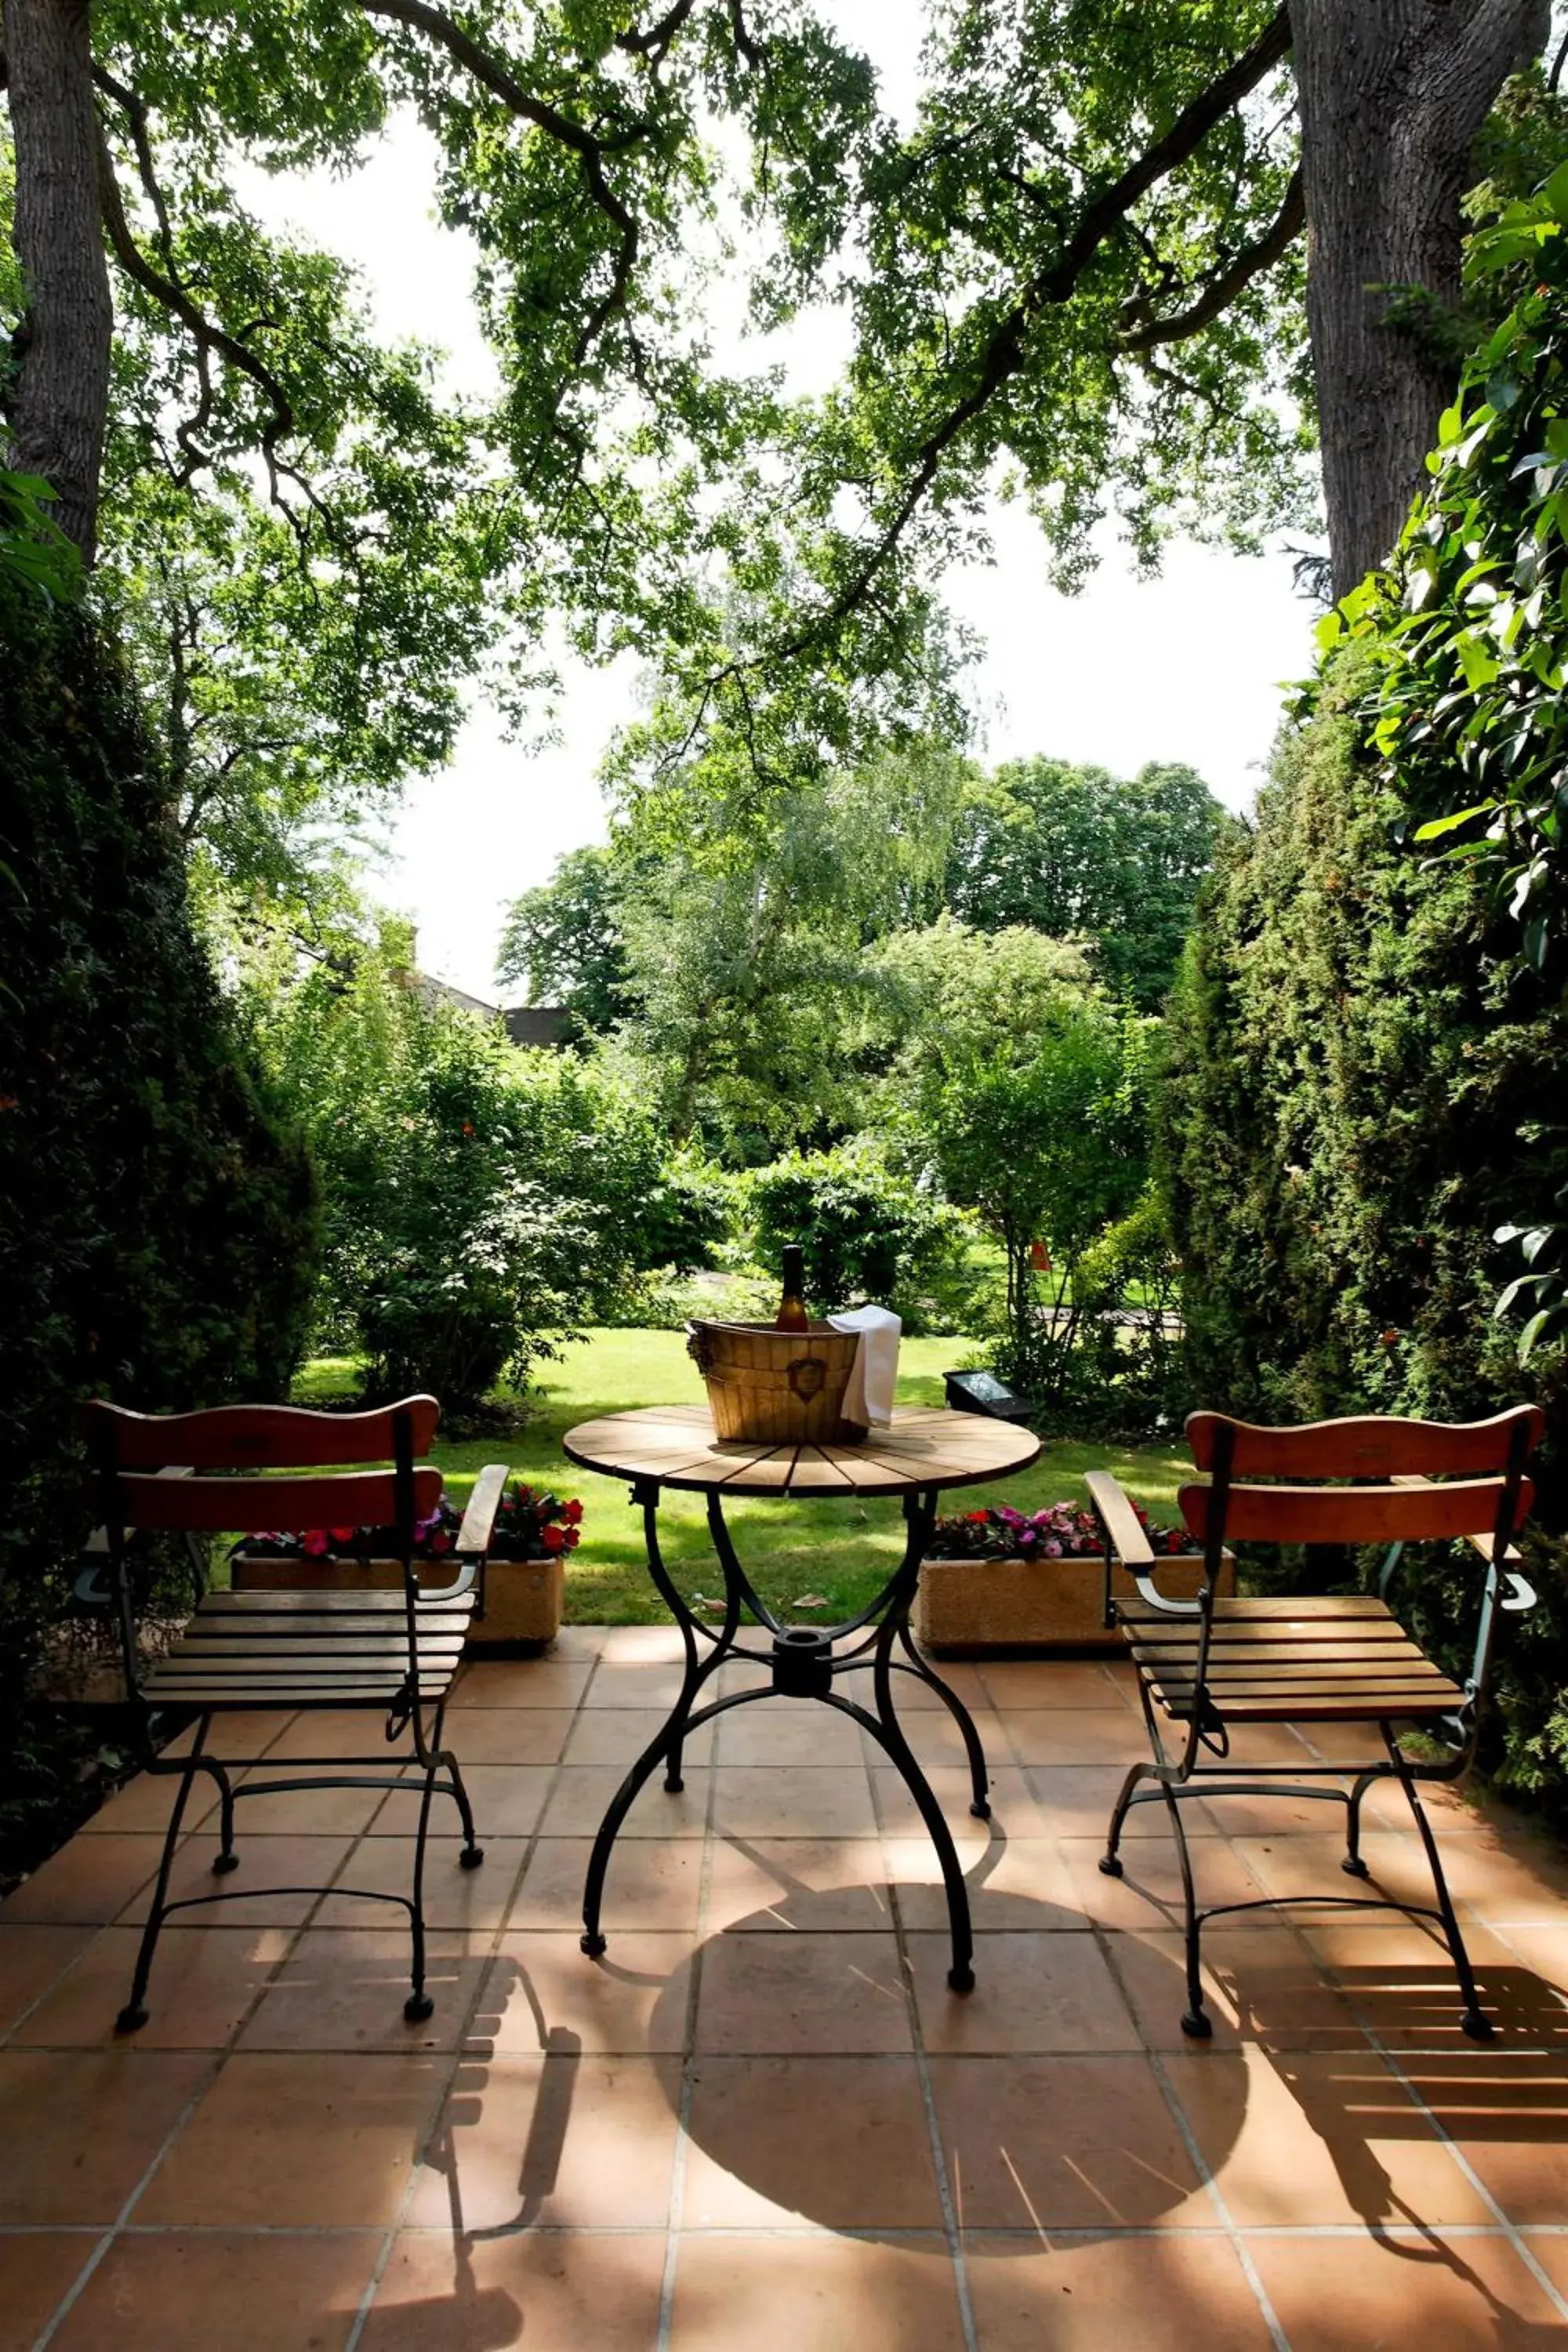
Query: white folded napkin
x,y
868,1399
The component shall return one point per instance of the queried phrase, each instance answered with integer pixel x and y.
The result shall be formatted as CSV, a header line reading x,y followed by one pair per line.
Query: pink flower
x,y
316,1545
1053,1549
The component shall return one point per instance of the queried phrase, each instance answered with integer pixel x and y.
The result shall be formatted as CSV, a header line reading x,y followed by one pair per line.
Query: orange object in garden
x,y
1040,1257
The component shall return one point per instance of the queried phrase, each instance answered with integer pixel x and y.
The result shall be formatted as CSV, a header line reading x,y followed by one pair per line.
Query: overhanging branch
x,y
1221,291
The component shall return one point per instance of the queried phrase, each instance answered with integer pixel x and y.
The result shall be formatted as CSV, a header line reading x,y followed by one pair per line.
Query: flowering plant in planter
x,y
531,1523
1061,1531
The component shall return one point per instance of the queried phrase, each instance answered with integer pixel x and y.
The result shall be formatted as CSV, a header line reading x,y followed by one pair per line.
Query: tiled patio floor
x,y
763,2123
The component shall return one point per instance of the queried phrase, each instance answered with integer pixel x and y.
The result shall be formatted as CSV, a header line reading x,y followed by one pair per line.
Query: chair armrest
x,y
1123,1529
480,1519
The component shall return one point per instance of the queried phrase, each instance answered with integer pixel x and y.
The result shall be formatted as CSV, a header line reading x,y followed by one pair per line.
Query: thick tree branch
x,y
1003,351
654,40
1221,291
416,16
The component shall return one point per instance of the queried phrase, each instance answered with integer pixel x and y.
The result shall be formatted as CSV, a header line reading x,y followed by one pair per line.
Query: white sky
x,y
1188,666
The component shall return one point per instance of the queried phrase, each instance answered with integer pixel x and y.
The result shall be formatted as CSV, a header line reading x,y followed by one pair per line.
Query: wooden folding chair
x,y
1210,1666
387,1653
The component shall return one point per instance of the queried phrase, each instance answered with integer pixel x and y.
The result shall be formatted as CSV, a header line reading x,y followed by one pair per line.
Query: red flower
x,y
341,1537
440,1541
979,1518
315,1545
574,1538
552,1538
573,1512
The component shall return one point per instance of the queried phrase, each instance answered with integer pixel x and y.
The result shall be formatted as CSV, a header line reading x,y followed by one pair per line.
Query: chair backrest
x,y
128,1451
1470,1474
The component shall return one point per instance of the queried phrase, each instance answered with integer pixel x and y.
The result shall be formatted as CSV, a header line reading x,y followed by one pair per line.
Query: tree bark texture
x,y
58,406
1392,94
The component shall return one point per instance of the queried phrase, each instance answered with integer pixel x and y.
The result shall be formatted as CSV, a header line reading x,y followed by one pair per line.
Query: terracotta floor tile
x,y
641,1645
1018,1884
1063,2143
577,1642
1149,1892
1304,2137
314,1811
1075,1734
789,1884
1550,2250
239,1735
910,1695
555,2293
583,1794
506,1800
39,2268
1278,1815
31,1958
841,2142
1463,2295
934,1736
1507,2112
810,1994
344,1989
509,1735
653,1685
786,1801
309,2141
631,2003
564,2139
518,1682
617,1736
770,1734
649,1885
454,1897
203,1985
1025,1683
88,1883
337,1731
265,1863
1077,1800
1259,1986
77,2129
1031,1992
1161,2294
254,2293
814,2294
146,1801
1399,1980
1013,1807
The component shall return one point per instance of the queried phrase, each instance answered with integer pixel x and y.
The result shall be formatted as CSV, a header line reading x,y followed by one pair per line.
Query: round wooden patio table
x,y
922,1453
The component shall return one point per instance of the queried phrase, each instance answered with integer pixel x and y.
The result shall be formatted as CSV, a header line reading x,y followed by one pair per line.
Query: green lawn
x,y
841,1551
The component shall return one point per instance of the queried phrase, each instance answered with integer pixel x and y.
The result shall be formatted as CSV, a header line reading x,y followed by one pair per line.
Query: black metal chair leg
x,y
1475,2022
1111,1861
979,1777
419,2005
1353,1864
133,2016
626,1796
473,1855
1195,2021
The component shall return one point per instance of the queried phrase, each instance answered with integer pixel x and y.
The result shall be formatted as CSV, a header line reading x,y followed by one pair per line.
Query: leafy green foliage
x,y
868,1232
1076,852
156,1210
34,551
1353,1059
563,942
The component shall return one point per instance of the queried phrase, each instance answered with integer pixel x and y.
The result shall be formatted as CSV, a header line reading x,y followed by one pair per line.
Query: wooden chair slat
x,y
1327,1604
1315,1707
290,1601
258,1436
1354,1514
1363,1446
350,1498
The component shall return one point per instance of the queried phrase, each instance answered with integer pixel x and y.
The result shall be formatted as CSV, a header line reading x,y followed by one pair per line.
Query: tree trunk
x,y
1391,95
59,406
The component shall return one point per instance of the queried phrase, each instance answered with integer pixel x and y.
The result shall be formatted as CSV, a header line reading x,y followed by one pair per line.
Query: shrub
x,y
867,1231
157,1220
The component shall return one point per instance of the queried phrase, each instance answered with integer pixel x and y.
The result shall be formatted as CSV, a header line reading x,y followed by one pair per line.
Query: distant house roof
x,y
538,1024
526,1025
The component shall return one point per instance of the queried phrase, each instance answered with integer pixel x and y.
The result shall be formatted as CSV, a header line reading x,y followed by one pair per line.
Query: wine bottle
x,y
791,1315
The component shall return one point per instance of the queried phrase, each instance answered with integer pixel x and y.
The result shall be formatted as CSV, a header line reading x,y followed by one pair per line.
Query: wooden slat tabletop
x,y
674,1446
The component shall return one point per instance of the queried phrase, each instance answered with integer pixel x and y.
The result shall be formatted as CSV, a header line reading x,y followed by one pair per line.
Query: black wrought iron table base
x,y
802,1661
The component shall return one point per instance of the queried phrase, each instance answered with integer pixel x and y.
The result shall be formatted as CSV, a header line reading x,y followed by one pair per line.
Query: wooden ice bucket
x,y
776,1387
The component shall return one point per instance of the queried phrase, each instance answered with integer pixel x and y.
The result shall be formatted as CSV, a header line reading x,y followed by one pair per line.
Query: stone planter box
x,y
522,1598
973,1605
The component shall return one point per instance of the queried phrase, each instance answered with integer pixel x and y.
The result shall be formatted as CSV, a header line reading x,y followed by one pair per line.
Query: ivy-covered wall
x,y
157,1218
1359,1068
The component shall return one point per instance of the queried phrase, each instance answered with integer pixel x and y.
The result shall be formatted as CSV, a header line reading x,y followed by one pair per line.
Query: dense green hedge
x,y
1357,1067
156,1221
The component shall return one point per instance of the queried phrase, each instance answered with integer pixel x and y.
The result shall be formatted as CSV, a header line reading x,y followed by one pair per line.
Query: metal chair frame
x,y
1180,1774
405,1707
